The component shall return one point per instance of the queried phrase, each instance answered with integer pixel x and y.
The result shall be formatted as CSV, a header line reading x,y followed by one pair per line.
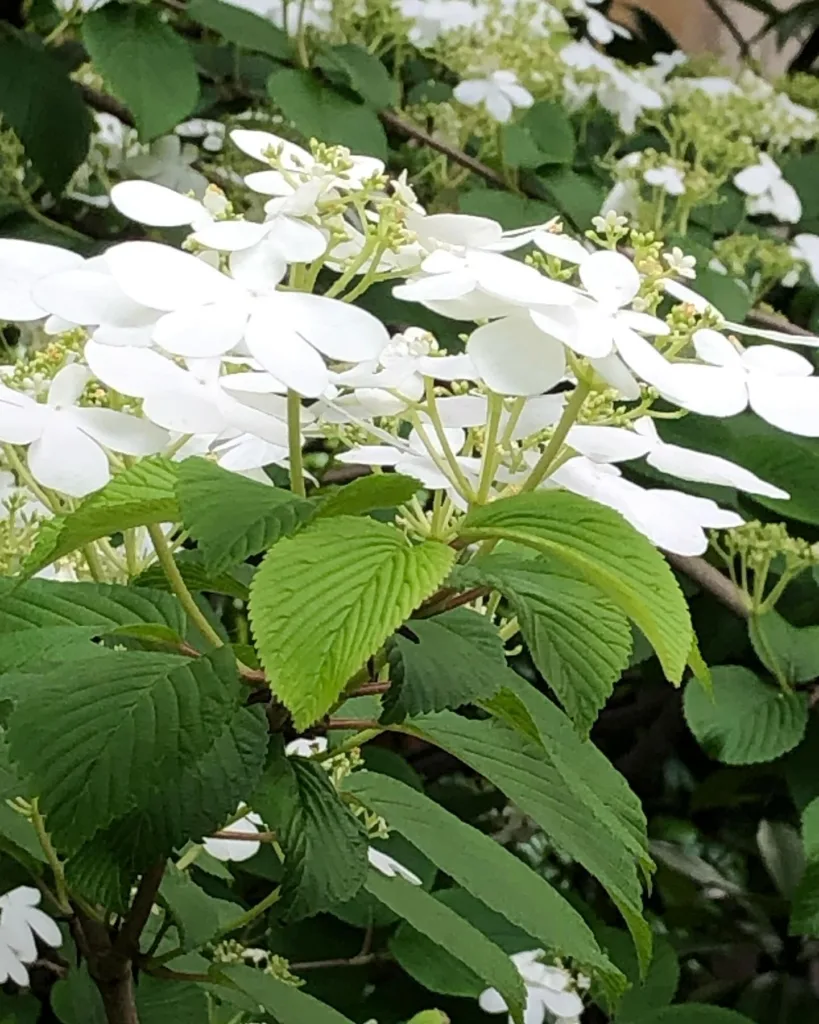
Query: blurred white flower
x,y
499,92
390,867
806,247
768,191
302,747
550,991
168,162
669,178
236,849
680,264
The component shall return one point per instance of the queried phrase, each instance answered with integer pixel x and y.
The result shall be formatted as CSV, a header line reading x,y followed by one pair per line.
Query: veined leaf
x,y
598,545
746,721
363,71
455,658
691,1013
121,726
452,934
486,870
367,493
789,653
146,63
231,517
325,847
285,1002
805,902
241,27
138,496
579,640
198,916
325,600
191,565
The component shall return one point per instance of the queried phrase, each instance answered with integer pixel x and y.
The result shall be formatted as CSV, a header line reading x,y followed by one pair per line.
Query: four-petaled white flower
x,y
550,991
390,867
21,924
500,92
302,747
236,849
669,178
168,162
67,442
768,191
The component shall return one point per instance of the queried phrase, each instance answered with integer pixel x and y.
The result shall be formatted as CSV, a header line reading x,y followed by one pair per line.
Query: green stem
x,y
54,225
171,570
51,856
294,443
358,740
94,563
188,858
490,453
131,560
249,916
552,449
440,433
24,474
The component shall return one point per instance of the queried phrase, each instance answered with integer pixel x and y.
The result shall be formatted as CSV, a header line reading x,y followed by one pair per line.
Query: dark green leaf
x,y
191,565
146,63
656,988
802,171
510,210
691,1013
197,915
789,653
44,109
519,148
232,517
161,1001
551,131
452,659
579,198
287,1004
731,297
364,73
241,27
367,493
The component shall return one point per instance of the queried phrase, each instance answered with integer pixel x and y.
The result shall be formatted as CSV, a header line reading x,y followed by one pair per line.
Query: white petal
x,y
463,410
455,439
561,1004
499,105
518,96
120,432
790,403
780,362
259,268
370,455
338,329
640,356
125,337
187,410
491,1001
290,156
166,278
283,352
584,328
269,183
201,331
513,357
643,323
457,367
21,419
230,235
539,412
137,372
89,297
809,340
148,203
253,383
709,469
560,245
21,264
713,347
513,281
67,386
708,390
390,867
44,927
686,294
607,444
436,287
296,240
459,229
614,371
755,180
787,206
471,92
67,460
246,417
11,967
611,278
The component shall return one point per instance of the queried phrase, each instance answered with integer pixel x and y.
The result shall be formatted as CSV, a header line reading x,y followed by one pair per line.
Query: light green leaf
x,y
121,725
748,721
485,869
36,604
430,1017
364,73
578,639
555,796
519,148
285,1002
789,653
232,517
576,196
359,580
325,847
367,493
44,108
453,935
320,112
551,131
146,63
138,496
241,27
197,915
452,659
598,545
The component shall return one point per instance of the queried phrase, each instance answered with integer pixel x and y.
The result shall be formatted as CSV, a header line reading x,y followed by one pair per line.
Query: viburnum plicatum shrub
x,y
356,466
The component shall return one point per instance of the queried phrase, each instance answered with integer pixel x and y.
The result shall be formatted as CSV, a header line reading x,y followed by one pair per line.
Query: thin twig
x,y
107,105
736,35
127,942
775,322
712,580
349,961
369,688
359,724
245,837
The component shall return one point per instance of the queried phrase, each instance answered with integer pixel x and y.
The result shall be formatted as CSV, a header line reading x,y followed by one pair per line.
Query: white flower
x,y
22,264
669,178
499,92
514,357
67,443
434,17
21,920
549,991
806,247
168,162
777,384
412,458
236,849
768,191
302,747
390,867
212,133
12,967
601,29
680,264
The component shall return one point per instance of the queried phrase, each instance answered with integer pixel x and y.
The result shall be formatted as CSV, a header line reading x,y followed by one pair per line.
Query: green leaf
x,y
36,604
191,565
748,721
801,171
241,27
320,112
146,63
691,1013
579,198
44,108
360,580
789,653
430,1017
325,847
368,493
554,795
598,545
805,903
97,873
551,131
120,725
579,640
285,1002
454,658
519,148
232,517
364,73
453,935
161,1001
54,643
139,496
197,915
484,869
658,986
731,297
510,210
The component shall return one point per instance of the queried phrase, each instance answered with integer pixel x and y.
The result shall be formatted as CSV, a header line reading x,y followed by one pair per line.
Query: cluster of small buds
x,y
757,544
760,261
33,372
230,951
341,766
609,230
551,266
